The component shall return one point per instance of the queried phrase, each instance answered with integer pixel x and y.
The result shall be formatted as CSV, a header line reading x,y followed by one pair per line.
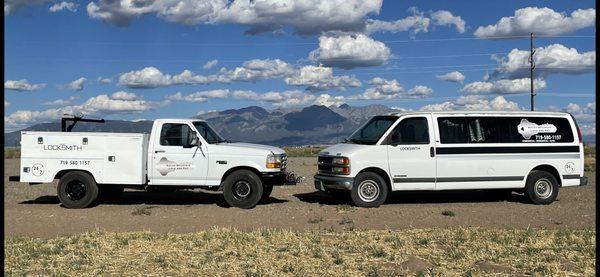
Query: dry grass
x,y
303,151
228,252
12,152
590,159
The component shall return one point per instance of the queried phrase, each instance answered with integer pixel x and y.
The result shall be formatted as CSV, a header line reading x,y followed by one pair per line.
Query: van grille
x,y
324,164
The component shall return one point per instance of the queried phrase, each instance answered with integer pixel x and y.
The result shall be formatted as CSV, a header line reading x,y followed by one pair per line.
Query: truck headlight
x,y
341,160
274,160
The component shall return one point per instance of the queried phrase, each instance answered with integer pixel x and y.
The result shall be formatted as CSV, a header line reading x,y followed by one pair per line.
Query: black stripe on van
x,y
459,179
505,150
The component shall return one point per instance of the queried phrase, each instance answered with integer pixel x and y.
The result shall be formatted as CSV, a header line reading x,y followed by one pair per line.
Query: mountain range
x,y
283,127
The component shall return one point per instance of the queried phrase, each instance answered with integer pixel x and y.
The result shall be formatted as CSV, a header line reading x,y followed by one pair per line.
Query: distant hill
x,y
283,127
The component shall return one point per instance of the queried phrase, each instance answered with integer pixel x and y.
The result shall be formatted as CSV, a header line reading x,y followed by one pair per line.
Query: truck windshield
x,y
208,133
372,131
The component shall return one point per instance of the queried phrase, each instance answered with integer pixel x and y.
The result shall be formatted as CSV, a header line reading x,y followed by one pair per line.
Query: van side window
x,y
412,130
174,134
452,129
534,130
482,130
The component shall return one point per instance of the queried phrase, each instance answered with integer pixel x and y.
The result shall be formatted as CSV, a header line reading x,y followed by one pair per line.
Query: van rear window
x,y
504,130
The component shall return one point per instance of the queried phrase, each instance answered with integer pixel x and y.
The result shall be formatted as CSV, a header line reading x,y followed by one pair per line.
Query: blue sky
x,y
57,48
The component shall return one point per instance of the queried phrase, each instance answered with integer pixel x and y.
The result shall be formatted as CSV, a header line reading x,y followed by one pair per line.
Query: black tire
x,y
242,189
110,191
77,190
369,190
537,186
266,193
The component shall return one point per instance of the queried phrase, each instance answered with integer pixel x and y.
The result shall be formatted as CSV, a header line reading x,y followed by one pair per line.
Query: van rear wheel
x,y
242,189
542,187
369,190
77,190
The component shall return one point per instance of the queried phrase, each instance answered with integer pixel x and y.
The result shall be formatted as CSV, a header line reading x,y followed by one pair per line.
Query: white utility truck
x,y
178,153
532,152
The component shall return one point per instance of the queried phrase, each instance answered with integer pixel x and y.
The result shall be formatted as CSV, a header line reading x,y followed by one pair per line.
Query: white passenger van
x,y
534,152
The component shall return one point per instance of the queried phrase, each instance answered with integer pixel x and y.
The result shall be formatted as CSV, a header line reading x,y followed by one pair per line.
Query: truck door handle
x,y
159,151
431,152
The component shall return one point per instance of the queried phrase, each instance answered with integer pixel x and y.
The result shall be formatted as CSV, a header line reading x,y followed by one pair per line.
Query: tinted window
x,y
411,131
371,132
482,129
174,134
452,129
504,129
534,129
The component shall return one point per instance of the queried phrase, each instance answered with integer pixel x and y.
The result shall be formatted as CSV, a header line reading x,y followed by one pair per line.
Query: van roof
x,y
180,119
479,112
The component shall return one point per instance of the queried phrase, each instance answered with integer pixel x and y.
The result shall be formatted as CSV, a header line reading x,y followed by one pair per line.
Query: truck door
x,y
174,164
411,154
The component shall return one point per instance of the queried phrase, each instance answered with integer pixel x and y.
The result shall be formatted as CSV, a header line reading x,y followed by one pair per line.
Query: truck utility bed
x,y
113,158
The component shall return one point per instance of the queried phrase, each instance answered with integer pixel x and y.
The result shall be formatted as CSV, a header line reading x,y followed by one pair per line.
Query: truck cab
x,y
178,154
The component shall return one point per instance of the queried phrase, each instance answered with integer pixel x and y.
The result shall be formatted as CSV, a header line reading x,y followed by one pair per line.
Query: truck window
x,y
482,129
208,133
534,130
411,131
452,129
174,134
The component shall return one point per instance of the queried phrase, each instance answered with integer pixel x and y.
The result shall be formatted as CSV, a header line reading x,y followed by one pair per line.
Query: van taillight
x,y
579,135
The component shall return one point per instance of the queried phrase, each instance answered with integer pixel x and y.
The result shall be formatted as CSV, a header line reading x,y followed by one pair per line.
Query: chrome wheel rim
x,y
543,188
368,191
241,189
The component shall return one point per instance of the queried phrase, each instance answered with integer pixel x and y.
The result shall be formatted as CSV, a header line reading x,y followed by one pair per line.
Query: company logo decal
x,y
165,166
569,167
528,129
37,169
63,147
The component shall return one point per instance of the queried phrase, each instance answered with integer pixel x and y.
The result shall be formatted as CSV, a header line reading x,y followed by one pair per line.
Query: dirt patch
x,y
36,210
415,265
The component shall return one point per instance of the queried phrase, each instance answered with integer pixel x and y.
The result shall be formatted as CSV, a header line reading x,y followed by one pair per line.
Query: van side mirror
x,y
192,140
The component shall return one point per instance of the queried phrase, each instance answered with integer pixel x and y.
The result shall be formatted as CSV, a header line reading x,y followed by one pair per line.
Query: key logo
x,y
528,129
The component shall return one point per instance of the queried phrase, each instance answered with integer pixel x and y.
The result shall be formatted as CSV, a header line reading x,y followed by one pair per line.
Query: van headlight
x,y
274,160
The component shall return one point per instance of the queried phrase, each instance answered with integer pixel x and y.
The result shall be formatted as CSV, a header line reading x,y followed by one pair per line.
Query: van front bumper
x,y
323,182
583,181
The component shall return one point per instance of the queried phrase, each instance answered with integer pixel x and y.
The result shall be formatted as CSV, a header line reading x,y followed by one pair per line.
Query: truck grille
x,y
324,164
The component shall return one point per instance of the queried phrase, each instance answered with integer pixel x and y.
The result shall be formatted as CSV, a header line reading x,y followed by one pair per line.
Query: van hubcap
x,y
543,188
75,190
241,189
368,191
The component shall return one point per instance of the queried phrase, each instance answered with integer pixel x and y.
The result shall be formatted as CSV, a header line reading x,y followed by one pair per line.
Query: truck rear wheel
x,y
541,188
369,190
242,189
77,190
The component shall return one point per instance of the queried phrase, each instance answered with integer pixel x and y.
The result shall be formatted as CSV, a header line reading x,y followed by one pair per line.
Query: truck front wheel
x,y
242,189
77,190
266,193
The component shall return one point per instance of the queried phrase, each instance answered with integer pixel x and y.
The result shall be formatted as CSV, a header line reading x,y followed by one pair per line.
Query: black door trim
x,y
459,179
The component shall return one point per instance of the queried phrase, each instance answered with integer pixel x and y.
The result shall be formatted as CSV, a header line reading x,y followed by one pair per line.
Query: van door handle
x,y
431,152
159,151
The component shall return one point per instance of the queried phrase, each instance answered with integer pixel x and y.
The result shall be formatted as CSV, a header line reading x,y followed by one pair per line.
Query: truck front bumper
x,y
283,178
324,182
583,181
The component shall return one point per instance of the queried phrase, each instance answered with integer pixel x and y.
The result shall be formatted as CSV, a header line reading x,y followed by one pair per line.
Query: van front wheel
x,y
242,189
542,187
369,190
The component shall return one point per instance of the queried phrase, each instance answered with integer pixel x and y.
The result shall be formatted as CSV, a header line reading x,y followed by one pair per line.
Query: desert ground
x,y
35,210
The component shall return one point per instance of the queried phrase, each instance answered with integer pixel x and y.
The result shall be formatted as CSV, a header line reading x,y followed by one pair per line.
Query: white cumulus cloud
x,y
416,23
504,86
474,103
453,76
349,51
22,85
63,5
76,85
210,64
321,78
540,21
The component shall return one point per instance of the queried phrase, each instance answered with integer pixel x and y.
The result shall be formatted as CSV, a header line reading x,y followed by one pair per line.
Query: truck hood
x,y
249,148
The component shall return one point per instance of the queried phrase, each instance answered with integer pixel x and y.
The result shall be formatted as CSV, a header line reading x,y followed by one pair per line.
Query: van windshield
x,y
208,133
372,131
